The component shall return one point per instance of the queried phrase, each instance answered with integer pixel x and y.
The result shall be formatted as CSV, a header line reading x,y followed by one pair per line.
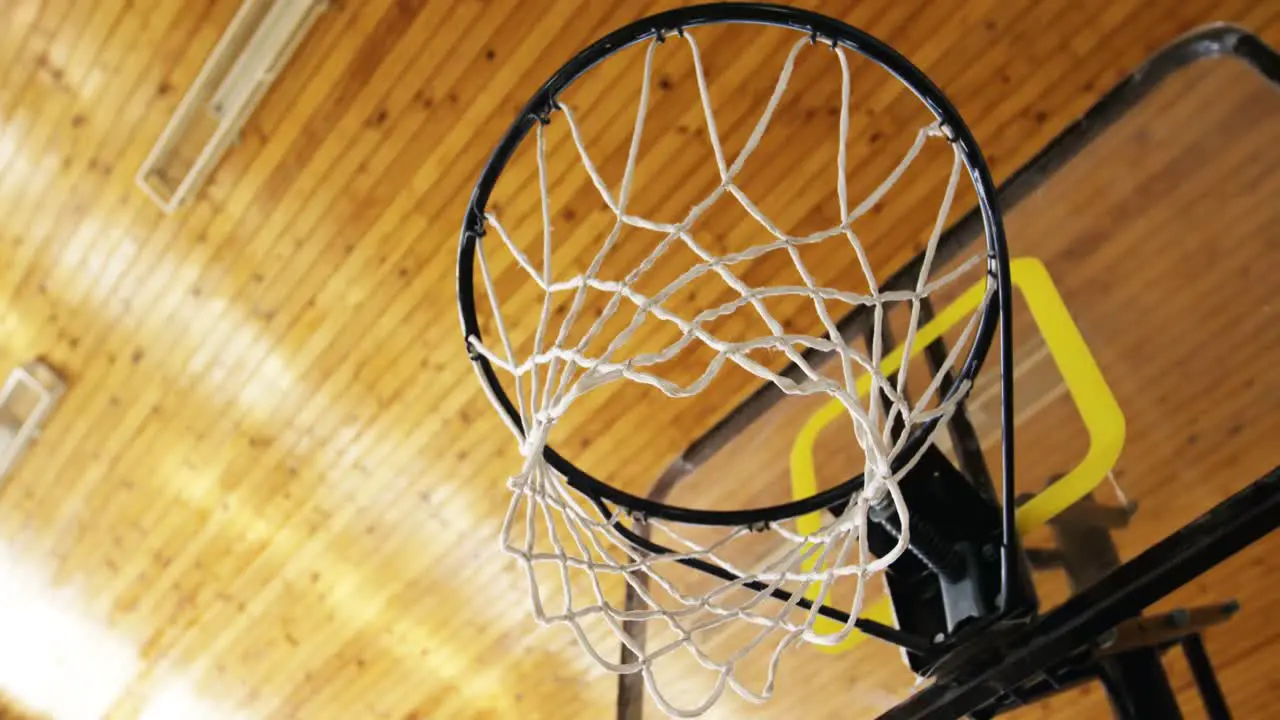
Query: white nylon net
x,y
551,526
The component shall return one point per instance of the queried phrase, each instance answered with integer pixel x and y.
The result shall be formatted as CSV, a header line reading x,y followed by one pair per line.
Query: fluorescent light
x,y
255,47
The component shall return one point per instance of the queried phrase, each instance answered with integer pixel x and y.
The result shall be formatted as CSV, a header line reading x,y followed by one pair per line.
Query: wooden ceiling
x,y
273,488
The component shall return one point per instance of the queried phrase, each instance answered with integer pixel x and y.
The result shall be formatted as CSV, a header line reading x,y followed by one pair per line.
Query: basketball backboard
x,y
1144,242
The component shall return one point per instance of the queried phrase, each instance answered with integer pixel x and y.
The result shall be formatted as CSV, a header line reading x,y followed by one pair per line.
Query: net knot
x,y
815,38
536,440
939,129
543,114
660,35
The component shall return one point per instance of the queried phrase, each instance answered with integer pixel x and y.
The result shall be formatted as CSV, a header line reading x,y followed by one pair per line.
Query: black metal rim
x,y
826,29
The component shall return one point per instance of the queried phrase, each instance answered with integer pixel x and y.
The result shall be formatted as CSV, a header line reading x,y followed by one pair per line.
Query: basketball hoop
x,y
596,535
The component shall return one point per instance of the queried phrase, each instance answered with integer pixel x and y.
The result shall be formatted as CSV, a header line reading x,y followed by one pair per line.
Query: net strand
x,y
589,539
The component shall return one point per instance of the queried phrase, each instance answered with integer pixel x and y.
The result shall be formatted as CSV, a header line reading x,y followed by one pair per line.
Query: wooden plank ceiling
x,y
273,488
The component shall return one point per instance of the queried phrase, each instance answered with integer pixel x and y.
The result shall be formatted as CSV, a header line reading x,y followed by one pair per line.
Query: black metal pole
x,y
1215,703
1137,686
964,437
631,685
1136,683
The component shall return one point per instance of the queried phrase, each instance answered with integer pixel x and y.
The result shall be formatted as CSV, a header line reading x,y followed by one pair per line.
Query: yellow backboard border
x,y
1103,419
